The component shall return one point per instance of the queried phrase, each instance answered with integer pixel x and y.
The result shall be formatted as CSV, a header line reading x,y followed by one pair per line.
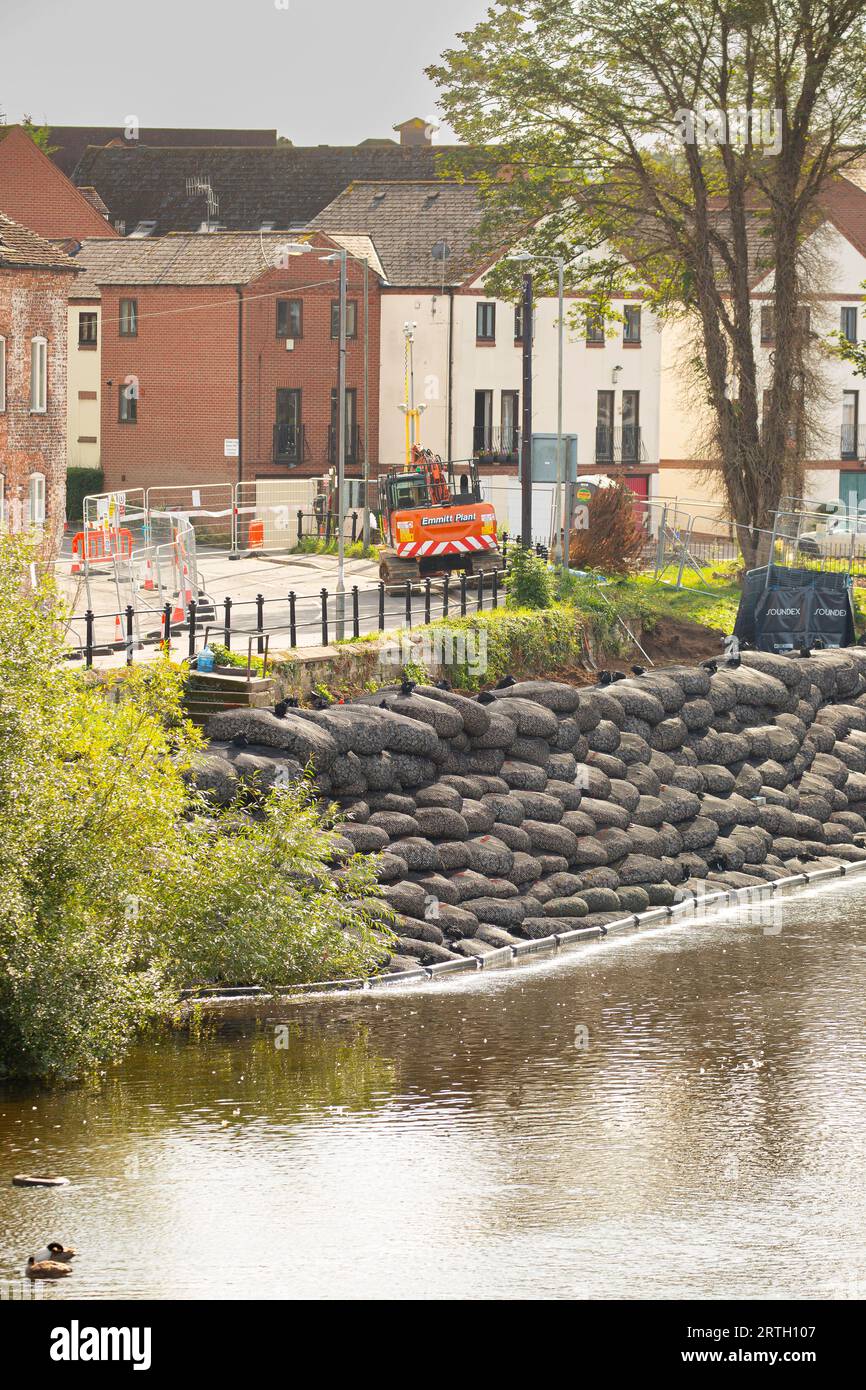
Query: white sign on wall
x,y
231,448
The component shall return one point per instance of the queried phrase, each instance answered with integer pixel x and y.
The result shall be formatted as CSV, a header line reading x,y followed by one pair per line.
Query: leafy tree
x,y
39,134
530,583
118,884
596,105
613,540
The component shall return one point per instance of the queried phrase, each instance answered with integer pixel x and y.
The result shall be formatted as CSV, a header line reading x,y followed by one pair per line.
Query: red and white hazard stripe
x,y
410,549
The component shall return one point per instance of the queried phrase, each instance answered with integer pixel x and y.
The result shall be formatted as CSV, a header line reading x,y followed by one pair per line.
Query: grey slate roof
x,y
198,258
22,249
406,220
285,184
71,141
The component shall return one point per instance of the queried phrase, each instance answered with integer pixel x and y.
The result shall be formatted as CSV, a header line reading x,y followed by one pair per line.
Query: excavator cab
x,y
433,520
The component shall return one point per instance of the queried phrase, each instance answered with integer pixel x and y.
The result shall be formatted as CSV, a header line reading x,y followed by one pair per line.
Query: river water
x,y
678,1113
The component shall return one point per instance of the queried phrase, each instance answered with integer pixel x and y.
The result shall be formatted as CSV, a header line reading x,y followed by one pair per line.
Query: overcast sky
x,y
320,73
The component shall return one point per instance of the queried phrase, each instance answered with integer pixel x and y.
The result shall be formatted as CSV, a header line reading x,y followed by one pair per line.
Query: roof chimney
x,y
416,131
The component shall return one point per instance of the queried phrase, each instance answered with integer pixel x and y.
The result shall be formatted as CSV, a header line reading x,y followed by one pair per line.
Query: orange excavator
x,y
432,516
433,520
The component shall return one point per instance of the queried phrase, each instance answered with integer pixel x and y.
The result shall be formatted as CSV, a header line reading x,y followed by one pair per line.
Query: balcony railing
x,y
490,444
354,445
853,442
621,445
290,444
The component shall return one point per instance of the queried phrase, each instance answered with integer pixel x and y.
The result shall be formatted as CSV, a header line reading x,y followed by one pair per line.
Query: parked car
x,y
841,539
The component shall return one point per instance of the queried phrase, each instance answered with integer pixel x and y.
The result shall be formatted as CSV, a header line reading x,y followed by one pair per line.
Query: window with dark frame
x,y
351,318
485,323
631,324
849,323
594,329
128,327
768,323
128,403
290,318
87,329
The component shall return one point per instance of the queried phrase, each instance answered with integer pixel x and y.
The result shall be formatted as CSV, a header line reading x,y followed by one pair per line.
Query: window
x,y
482,442
509,427
2,375
849,323
518,323
351,318
288,430
850,423
290,318
630,426
631,324
128,402
604,427
38,376
485,323
594,330
36,499
768,323
128,318
87,330
352,438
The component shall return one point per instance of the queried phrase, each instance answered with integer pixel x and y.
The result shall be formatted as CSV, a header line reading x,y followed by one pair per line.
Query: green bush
x,y
117,883
80,482
530,582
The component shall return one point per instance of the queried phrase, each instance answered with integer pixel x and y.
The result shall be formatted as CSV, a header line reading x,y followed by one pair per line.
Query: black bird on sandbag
x,y
443,685
618,675
604,678
710,666
486,698
505,682
638,670
320,702
805,652
406,686
240,741
733,662
282,708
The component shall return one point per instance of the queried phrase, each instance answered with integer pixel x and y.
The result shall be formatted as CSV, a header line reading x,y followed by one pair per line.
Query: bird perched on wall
x,y
240,741
282,708
486,698
604,678
710,666
638,670
618,675
804,651
320,702
505,682
443,685
406,686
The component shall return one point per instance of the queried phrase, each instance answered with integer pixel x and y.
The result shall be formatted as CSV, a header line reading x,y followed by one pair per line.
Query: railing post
x,y
381,605
260,622
356,615
463,593
300,525
192,612
130,619
328,529
427,600
227,624
293,623
324,598
354,527
166,628
409,602
88,638
480,587
495,597
445,587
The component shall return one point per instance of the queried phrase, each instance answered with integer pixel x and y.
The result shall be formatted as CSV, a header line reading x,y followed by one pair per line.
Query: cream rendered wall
x,y
83,374
429,312
586,370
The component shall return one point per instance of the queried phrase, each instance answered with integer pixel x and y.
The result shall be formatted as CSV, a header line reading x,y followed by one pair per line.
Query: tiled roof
x,y
406,221
23,249
72,140
285,185
202,258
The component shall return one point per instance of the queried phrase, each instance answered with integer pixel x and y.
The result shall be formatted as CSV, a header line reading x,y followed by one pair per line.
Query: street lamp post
x,y
561,526
526,436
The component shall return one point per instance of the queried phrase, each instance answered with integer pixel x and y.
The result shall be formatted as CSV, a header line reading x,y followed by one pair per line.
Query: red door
x,y
639,484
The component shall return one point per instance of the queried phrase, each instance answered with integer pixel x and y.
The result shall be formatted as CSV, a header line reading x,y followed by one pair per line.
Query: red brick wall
x,y
33,304
34,192
185,359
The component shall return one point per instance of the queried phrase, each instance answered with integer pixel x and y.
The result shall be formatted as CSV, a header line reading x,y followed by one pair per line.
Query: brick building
x,y
34,192
219,356
35,282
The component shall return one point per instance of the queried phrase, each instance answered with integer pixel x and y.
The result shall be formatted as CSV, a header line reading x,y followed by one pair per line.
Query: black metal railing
x,y
492,444
290,444
853,442
623,444
354,445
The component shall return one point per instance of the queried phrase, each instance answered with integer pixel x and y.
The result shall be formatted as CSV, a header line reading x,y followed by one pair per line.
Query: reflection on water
x,y
669,1115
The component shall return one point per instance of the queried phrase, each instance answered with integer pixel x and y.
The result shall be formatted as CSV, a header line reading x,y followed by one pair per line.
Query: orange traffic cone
x,y
118,629
148,575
